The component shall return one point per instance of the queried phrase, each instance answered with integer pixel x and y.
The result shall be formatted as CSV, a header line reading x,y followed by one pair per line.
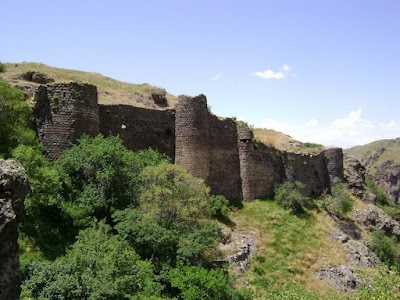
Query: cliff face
x,y
13,189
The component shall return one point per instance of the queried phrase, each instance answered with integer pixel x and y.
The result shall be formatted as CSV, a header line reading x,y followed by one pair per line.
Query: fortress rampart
x,y
220,151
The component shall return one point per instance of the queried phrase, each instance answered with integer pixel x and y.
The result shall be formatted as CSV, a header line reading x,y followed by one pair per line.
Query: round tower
x,y
63,113
192,147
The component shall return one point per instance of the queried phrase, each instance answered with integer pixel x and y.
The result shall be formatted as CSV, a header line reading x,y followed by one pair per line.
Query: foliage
x,y
219,206
149,239
173,198
381,197
288,195
386,248
385,285
340,202
197,283
15,116
98,266
45,220
104,176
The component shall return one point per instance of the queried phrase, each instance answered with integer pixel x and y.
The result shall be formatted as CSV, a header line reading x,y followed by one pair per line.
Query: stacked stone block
x,y
63,113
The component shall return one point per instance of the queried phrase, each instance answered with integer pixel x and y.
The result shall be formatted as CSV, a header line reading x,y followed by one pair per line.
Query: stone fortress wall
x,y
220,151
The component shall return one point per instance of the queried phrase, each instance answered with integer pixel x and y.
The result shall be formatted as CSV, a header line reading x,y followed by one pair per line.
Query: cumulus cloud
x,y
217,77
270,74
351,130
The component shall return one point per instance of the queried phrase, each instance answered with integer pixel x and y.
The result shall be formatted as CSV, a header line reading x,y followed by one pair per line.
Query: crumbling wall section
x,y
13,189
310,169
63,113
224,176
334,164
261,166
140,128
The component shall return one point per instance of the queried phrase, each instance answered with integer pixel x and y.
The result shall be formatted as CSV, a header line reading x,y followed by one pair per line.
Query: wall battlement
x,y
221,151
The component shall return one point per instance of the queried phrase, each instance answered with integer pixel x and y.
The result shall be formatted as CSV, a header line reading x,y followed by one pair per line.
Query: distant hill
x,y
110,91
382,161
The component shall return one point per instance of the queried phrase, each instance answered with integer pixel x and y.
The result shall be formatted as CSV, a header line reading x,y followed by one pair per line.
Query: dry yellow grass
x,y
110,91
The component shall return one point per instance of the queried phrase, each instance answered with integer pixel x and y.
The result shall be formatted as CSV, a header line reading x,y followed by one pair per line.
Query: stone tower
x,y
192,147
334,163
63,113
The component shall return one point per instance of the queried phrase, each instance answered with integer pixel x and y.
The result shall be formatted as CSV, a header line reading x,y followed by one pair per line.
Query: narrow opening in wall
x,y
64,94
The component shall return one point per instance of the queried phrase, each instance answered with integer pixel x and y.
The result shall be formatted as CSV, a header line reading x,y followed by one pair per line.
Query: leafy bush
x,y
15,116
103,174
386,248
340,202
197,283
98,266
381,197
288,196
219,206
173,198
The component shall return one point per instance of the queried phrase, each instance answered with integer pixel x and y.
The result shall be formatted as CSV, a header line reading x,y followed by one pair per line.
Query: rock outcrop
x,y
342,277
13,189
354,174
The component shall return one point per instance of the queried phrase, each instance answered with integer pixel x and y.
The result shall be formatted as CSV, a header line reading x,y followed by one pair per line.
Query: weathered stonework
x,y
13,189
140,128
220,151
63,113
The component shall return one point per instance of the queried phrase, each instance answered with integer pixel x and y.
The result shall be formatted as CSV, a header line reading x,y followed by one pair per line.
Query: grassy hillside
x,y
284,142
111,91
375,153
292,248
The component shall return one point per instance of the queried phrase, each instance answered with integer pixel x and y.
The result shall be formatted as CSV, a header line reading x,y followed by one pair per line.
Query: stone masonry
x,y
221,151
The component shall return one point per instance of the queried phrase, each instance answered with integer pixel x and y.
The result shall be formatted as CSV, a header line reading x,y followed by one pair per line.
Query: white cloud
x,y
270,74
312,123
217,77
344,132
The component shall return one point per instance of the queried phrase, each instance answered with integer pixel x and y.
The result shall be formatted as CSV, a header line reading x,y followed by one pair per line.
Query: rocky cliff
x,y
13,189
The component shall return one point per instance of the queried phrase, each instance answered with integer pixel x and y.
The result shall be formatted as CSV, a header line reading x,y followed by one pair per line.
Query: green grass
x,y
292,248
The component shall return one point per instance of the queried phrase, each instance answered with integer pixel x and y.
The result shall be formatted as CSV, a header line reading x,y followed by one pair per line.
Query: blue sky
x,y
324,71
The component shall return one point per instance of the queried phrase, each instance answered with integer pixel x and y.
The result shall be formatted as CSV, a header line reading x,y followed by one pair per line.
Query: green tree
x,y
99,266
104,175
173,198
15,115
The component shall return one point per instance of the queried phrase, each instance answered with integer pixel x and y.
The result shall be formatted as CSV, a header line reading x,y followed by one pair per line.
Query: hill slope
x,y
382,161
110,91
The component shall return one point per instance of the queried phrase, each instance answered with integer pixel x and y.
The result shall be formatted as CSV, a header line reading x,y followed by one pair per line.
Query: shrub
x,y
386,248
2,67
98,266
288,196
219,206
381,197
340,202
15,116
173,198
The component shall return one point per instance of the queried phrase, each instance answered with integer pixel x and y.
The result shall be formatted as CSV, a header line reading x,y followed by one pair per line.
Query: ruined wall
x,y
261,166
192,138
63,113
224,176
13,189
140,128
334,164
309,169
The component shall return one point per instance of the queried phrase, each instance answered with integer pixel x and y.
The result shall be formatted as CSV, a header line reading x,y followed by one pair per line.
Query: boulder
x,y
13,189
341,277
